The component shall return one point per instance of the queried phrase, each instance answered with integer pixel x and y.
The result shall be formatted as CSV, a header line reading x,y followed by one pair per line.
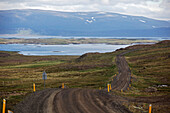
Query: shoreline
x,y
48,50
61,41
55,50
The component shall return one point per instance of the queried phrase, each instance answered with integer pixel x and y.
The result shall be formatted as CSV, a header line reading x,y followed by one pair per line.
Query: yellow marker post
x,y
121,90
34,87
150,108
4,105
62,85
108,87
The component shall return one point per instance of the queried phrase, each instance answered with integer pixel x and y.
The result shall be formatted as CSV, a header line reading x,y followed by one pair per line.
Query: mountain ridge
x,y
57,23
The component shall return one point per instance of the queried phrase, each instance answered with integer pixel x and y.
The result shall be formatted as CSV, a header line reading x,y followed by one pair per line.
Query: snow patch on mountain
x,y
82,14
124,16
89,21
110,15
60,15
93,18
101,12
142,21
81,18
20,17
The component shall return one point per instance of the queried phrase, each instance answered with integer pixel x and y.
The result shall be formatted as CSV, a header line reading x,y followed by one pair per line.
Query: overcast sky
x,y
158,9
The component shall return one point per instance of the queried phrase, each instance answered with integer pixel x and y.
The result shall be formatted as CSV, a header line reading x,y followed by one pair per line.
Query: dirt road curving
x,y
122,80
70,101
79,100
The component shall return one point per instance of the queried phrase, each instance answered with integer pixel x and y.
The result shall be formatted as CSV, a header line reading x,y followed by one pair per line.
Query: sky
x,y
157,9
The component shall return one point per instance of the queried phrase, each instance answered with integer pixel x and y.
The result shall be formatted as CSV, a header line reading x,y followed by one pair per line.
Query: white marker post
x,y
150,108
44,76
9,111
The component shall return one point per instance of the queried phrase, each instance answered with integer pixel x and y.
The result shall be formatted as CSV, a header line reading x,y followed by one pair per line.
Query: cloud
x,y
158,9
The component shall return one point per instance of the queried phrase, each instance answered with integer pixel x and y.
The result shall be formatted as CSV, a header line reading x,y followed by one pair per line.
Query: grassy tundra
x,y
149,64
19,72
150,67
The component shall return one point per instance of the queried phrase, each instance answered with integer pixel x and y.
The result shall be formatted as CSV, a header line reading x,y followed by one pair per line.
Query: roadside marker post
x,y
121,90
4,105
44,77
150,108
34,87
63,85
108,87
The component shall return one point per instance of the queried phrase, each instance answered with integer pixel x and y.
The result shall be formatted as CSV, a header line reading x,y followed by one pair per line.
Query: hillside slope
x,y
43,22
150,65
150,83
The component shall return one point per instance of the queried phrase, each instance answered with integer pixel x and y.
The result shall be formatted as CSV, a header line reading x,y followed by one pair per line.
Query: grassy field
x,y
150,66
19,72
56,41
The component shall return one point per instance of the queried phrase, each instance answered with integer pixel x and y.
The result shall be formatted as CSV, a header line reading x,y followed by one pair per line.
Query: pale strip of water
x,y
71,49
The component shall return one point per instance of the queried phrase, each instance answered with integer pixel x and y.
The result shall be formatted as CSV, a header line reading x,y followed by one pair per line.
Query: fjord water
x,y
71,49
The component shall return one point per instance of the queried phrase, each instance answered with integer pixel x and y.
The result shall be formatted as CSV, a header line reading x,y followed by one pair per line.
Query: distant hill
x,y
44,22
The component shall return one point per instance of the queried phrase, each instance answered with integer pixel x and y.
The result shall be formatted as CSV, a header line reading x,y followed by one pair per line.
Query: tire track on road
x,y
86,101
71,101
122,80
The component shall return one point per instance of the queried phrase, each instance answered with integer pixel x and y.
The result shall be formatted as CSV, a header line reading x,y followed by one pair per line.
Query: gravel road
x,y
122,80
70,100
